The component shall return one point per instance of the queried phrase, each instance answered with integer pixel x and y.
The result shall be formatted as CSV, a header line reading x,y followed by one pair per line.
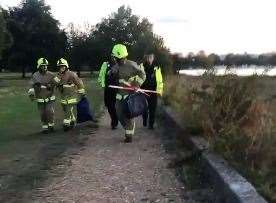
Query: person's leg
x,y
146,114
128,124
110,101
113,113
129,129
50,115
66,116
120,112
72,115
152,110
43,117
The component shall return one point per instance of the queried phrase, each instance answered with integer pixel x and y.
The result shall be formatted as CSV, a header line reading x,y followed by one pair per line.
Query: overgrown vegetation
x,y
237,117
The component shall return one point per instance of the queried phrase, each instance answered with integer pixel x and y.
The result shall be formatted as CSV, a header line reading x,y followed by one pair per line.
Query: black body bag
x,y
135,105
84,112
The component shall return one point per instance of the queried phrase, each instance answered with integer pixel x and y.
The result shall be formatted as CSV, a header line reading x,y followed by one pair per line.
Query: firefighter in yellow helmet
x,y
71,88
42,91
128,73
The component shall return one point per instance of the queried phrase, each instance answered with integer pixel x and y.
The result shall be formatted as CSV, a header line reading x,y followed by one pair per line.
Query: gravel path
x,y
108,170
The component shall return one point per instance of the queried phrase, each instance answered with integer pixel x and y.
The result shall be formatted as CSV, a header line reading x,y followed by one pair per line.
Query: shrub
x,y
237,121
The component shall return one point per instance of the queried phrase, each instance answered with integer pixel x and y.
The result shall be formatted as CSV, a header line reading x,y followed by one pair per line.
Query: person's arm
x,y
56,80
78,82
31,91
140,76
101,78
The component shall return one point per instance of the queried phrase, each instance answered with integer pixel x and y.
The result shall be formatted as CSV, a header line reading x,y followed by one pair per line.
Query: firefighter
x,y
72,89
105,80
154,81
127,73
42,91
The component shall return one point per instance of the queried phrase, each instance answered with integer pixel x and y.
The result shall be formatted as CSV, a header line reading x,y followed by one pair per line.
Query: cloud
x,y
171,19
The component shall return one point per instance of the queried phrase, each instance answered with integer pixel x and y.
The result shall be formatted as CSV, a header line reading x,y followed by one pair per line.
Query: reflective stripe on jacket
x,y
52,98
70,84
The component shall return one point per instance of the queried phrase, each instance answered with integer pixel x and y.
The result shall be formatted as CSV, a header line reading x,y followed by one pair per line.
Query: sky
x,y
215,26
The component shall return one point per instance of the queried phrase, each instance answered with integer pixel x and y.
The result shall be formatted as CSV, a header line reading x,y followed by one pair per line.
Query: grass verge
x,y
237,117
26,156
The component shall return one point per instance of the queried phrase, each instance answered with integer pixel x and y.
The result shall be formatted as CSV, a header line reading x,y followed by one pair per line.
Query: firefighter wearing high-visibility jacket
x,y
128,73
42,91
154,81
72,89
105,80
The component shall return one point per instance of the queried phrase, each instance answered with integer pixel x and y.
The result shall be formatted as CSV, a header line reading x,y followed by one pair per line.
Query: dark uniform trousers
x,y
149,115
110,101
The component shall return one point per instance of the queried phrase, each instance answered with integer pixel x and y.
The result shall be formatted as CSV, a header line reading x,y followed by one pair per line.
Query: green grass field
x,y
26,156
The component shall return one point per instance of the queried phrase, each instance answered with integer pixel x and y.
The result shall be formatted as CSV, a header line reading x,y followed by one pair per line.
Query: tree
x,y
126,28
79,46
214,59
5,36
36,34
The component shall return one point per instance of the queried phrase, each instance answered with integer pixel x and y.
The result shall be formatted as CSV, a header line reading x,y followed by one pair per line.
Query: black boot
x,y
128,139
72,124
114,124
45,131
66,128
51,129
144,123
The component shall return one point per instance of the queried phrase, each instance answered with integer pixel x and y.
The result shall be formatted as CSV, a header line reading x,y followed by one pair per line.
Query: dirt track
x,y
108,170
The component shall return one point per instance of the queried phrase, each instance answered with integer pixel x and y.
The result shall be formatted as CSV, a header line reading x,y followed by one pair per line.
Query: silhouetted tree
x,y
36,34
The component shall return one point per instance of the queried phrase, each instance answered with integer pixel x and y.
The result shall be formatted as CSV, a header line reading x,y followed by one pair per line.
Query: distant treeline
x,y
29,31
200,60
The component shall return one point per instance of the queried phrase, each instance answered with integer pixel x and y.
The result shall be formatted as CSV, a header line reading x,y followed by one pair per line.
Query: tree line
x,y
30,31
202,60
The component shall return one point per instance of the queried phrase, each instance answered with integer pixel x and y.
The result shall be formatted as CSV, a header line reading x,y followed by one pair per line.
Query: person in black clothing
x,y
154,82
105,79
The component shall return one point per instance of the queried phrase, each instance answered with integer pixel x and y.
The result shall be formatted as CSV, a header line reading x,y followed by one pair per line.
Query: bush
x,y
235,119
179,94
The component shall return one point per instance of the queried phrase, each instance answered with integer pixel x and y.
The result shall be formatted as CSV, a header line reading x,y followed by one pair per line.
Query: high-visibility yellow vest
x,y
102,74
159,79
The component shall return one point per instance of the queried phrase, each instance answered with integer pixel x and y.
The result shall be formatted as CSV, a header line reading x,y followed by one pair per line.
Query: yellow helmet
x,y
41,62
62,62
119,51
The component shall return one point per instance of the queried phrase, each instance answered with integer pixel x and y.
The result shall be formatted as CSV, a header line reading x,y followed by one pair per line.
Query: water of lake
x,y
238,70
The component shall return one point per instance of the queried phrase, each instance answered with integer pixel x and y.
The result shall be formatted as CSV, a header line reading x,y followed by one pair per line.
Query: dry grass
x,y
237,116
